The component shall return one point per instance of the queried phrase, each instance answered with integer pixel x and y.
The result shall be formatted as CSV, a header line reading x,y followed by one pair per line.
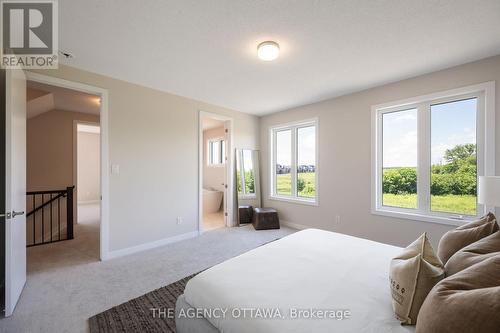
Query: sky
x,y
247,159
306,137
451,124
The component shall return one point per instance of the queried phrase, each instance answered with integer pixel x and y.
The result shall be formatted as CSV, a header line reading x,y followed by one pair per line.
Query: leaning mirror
x,y
247,182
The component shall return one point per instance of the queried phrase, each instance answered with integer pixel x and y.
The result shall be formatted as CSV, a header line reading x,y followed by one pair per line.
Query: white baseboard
x,y
88,202
294,225
149,246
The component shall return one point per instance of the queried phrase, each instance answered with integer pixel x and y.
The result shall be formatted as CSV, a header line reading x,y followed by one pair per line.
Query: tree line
x,y
458,175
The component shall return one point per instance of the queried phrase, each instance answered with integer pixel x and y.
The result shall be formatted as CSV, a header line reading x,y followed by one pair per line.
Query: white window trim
x,y
485,148
243,194
209,150
272,135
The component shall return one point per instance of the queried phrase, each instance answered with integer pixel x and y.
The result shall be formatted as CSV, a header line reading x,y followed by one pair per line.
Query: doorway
x,y
86,157
215,171
59,121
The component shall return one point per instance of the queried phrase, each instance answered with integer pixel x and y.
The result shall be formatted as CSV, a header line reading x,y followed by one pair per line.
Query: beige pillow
x,y
472,254
412,275
468,301
469,233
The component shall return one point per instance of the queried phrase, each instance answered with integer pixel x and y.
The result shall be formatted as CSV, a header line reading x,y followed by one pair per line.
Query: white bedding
x,y
309,269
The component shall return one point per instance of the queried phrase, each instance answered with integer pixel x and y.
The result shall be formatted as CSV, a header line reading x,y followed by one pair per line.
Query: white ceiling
x,y
209,123
42,98
206,50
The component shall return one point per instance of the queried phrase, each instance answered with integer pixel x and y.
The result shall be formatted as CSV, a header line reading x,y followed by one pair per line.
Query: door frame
x,y
229,167
104,124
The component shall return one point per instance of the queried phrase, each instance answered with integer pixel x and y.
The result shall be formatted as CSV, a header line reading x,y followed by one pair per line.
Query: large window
x,y
294,162
216,152
428,153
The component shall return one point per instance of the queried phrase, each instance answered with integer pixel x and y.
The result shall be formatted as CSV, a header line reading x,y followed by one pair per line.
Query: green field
x,y
306,184
457,204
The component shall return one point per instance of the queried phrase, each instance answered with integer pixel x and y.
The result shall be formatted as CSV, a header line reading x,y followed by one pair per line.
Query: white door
x,y
15,197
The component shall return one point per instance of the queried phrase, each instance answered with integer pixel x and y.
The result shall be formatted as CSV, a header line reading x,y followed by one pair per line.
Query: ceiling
x,y
42,98
209,123
207,51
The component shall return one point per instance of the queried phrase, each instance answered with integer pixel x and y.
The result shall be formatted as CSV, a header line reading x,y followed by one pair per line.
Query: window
x,y
428,153
294,162
216,152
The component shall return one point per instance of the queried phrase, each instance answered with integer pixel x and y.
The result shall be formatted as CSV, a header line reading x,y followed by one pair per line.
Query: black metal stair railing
x,y
50,216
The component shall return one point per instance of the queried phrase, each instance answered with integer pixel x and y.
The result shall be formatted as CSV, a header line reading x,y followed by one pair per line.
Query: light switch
x,y
115,169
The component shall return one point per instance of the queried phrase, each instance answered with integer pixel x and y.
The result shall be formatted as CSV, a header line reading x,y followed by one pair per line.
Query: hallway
x,y
84,248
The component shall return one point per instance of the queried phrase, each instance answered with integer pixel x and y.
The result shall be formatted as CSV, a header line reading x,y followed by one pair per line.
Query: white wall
x,y
345,161
153,136
213,176
88,166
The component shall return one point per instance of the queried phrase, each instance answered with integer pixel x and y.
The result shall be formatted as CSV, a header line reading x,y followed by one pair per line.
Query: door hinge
x,y
225,213
226,130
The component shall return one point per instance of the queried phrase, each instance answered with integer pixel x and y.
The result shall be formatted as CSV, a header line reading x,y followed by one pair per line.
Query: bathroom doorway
x,y
215,172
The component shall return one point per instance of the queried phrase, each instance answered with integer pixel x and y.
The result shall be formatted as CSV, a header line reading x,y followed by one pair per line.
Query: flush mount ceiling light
x,y
268,51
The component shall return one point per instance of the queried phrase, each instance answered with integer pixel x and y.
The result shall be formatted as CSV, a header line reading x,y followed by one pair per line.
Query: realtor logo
x,y
29,34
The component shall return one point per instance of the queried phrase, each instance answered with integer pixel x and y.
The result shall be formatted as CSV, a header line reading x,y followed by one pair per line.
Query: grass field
x,y
457,204
284,184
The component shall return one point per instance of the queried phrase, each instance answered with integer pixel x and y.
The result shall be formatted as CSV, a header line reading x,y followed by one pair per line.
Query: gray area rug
x,y
136,315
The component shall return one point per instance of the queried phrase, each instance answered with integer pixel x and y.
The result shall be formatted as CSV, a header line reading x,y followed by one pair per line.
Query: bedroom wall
x,y
213,176
153,137
345,160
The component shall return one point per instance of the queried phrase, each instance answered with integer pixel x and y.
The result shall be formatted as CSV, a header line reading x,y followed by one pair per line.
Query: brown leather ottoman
x,y
245,214
265,218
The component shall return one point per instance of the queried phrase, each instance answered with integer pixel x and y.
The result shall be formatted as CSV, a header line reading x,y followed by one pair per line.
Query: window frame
x,y
485,150
222,144
293,127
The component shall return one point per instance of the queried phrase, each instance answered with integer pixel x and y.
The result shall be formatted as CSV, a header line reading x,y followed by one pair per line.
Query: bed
x,y
279,286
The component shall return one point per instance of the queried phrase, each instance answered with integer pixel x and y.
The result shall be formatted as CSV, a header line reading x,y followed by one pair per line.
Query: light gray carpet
x,y
67,284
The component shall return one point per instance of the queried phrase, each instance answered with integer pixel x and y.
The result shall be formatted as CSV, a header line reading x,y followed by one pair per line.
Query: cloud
x,y
438,149
404,116
401,153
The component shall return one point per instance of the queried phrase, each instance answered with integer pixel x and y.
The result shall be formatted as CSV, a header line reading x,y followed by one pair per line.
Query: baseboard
x,y
294,225
88,202
149,246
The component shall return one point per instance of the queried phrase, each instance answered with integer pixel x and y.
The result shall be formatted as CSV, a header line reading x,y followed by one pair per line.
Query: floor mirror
x,y
247,183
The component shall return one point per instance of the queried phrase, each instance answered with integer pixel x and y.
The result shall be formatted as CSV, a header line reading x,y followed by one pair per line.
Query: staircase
x,y
50,216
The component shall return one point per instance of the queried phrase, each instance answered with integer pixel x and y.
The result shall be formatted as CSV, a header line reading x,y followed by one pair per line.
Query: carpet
x,y
137,315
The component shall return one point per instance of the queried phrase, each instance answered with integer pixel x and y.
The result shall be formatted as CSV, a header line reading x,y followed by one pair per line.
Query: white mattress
x,y
309,269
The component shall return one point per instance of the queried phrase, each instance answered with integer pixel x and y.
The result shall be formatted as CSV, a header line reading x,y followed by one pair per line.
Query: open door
x,y
15,187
